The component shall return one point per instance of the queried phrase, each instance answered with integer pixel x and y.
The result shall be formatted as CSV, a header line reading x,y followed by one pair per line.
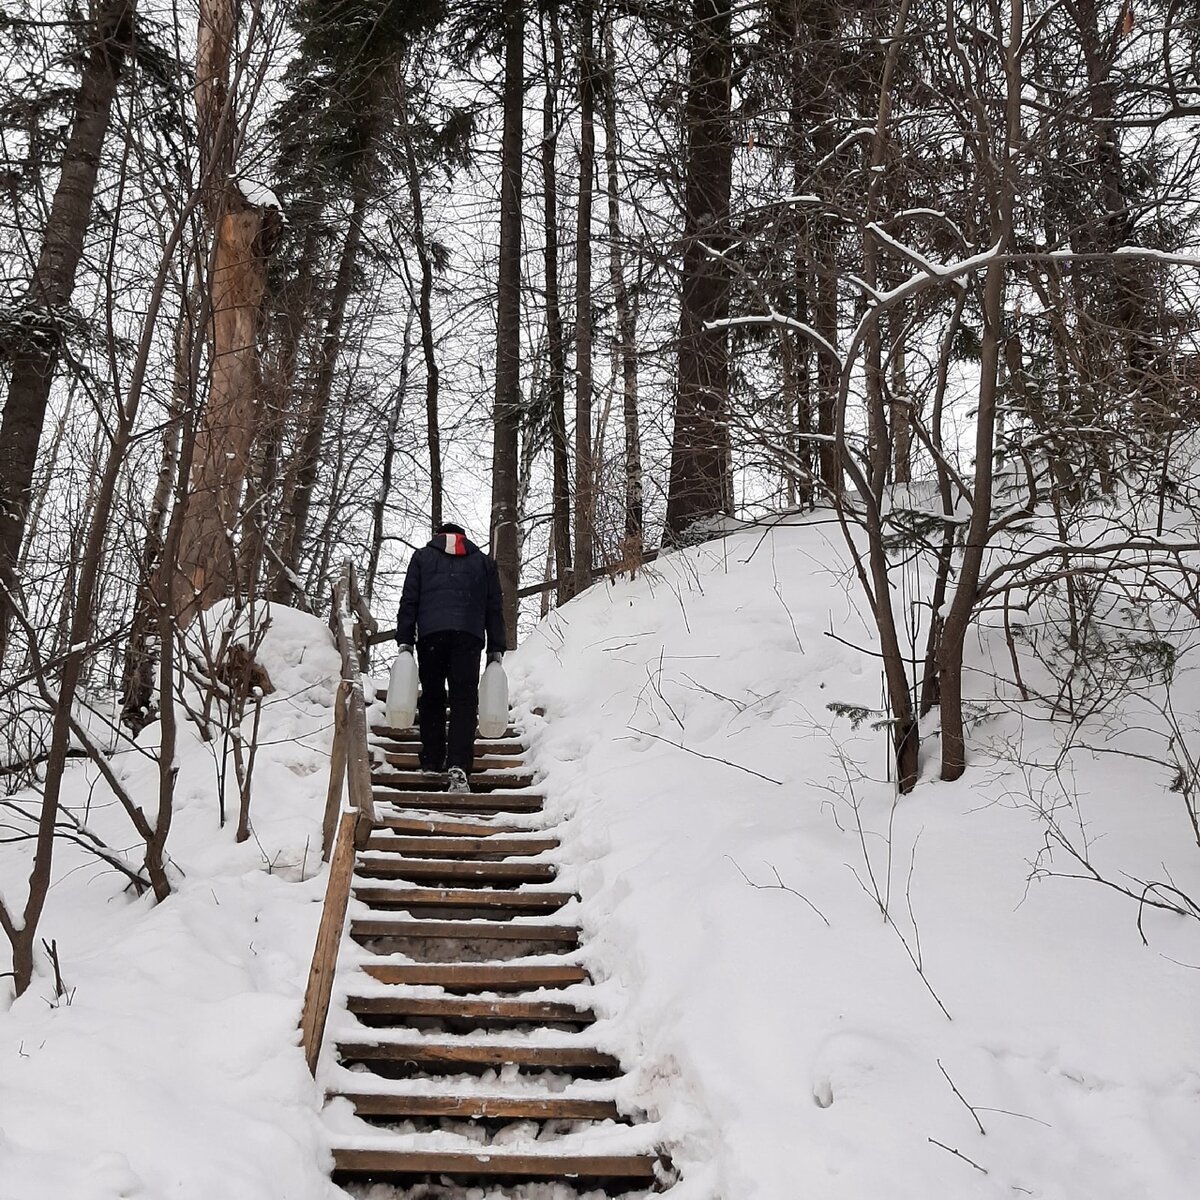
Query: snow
x,y
787,1057
735,845
179,1033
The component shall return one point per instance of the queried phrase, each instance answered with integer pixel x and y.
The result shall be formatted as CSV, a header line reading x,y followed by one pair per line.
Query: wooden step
x,y
449,1058
495,903
482,977
483,746
467,1108
411,760
458,1008
363,928
431,827
481,781
451,871
461,847
412,734
489,1164
463,802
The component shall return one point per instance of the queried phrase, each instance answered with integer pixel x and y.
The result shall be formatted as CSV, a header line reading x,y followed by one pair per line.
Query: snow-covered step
x,y
400,1165
460,847
480,977
452,802
483,746
411,760
398,1006
495,903
399,1105
451,870
476,931
404,1052
481,781
443,826
410,733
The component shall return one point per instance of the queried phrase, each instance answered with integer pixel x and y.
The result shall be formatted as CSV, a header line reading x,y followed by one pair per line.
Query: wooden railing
x,y
343,831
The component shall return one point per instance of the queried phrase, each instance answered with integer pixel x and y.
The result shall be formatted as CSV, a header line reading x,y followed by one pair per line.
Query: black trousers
x,y
448,666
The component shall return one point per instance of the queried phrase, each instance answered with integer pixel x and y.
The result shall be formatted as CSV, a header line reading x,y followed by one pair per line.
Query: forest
x,y
283,284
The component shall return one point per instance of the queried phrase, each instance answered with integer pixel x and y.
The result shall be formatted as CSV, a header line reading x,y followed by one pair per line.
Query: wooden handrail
x,y
329,938
349,772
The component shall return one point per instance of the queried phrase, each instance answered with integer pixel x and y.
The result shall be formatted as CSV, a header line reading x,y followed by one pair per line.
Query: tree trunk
x,y
35,358
245,235
425,313
560,536
585,467
379,505
700,483
962,605
507,415
138,674
322,393
634,517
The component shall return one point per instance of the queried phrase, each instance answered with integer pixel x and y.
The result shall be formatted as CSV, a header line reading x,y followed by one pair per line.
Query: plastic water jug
x,y
401,705
493,701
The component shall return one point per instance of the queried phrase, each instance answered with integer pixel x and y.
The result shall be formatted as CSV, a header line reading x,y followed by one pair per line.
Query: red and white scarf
x,y
456,543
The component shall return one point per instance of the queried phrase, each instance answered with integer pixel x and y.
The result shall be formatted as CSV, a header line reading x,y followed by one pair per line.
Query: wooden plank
x,y
411,761
430,826
451,871
337,769
411,733
483,746
491,1164
407,899
461,847
522,1012
329,936
551,1108
435,1057
471,931
464,802
489,977
480,781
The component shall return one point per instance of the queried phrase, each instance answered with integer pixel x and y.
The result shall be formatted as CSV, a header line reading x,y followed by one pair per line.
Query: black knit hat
x,y
450,527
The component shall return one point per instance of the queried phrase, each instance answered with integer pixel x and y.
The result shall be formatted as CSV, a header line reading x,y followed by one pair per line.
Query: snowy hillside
x,y
812,983
735,888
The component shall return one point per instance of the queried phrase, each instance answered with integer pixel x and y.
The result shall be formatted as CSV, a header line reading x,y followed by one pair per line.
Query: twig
x,y
959,1154
777,886
954,1089
709,757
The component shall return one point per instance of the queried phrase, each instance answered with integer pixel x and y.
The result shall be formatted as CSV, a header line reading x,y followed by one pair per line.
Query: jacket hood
x,y
453,543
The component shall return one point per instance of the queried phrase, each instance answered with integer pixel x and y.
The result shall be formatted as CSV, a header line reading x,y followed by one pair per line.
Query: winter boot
x,y
457,780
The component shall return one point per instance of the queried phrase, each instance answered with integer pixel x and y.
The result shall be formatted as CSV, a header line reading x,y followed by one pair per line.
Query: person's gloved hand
x,y
404,648
495,655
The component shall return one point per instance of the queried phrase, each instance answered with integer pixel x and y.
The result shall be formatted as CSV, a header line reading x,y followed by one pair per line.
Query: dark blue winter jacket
x,y
451,591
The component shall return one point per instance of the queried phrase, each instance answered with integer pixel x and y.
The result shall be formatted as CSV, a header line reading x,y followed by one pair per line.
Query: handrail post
x,y
337,768
329,936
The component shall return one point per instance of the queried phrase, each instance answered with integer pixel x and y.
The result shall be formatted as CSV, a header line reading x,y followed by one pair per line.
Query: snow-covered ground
x,y
737,846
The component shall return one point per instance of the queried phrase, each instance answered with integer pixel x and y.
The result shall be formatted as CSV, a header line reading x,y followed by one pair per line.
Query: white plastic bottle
x,y
400,708
493,701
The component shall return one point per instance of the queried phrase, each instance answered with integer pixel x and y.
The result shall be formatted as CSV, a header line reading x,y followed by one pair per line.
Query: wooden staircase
x,y
459,1052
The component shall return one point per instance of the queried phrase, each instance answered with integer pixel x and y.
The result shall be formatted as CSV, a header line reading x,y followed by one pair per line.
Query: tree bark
x,y
585,467
962,604
245,236
35,359
626,345
309,453
507,413
700,483
560,535
138,673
